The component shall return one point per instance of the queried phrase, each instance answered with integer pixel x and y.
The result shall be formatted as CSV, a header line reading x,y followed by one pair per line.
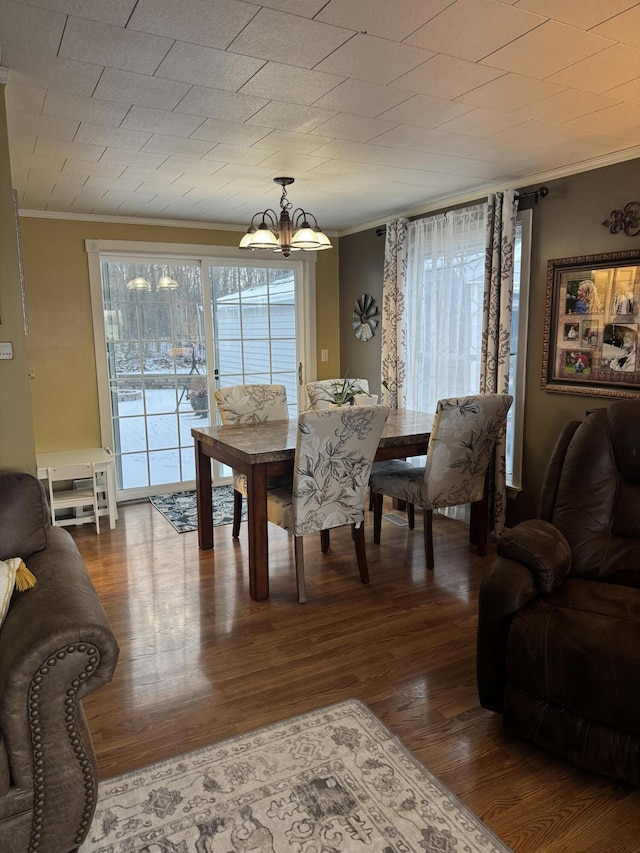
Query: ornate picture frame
x,y
592,325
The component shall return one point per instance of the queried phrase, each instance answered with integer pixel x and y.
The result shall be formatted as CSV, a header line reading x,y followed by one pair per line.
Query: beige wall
x,y
16,432
60,347
567,223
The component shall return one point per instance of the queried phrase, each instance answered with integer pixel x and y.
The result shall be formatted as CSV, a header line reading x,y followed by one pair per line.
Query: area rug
x,y
335,780
180,509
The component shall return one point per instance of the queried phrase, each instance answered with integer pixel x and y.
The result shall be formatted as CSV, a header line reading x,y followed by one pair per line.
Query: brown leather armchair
x,y
56,647
559,612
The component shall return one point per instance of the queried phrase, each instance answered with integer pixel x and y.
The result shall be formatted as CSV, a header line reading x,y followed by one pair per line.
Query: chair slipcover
x,y
249,404
334,454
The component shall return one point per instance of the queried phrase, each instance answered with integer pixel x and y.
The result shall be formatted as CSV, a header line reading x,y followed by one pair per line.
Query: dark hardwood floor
x,y
200,662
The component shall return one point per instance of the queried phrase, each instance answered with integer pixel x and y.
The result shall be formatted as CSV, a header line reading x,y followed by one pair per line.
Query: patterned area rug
x,y
180,510
334,780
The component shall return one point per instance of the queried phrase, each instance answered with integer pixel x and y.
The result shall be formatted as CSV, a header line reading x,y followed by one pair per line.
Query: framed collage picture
x,y
592,317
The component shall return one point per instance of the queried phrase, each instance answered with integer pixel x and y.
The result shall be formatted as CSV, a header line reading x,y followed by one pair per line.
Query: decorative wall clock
x,y
365,317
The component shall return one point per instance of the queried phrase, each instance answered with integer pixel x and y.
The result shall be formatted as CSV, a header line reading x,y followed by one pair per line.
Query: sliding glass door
x,y
174,329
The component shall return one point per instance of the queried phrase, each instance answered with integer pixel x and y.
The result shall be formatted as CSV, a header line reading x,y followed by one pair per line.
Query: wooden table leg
x,y
257,532
204,501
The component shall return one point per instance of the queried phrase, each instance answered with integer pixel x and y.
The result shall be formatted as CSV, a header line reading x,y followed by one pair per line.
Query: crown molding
x,y
478,192
130,220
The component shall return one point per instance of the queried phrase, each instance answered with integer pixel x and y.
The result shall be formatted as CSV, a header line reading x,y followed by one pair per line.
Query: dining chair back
x,y
82,495
249,404
322,393
334,454
457,469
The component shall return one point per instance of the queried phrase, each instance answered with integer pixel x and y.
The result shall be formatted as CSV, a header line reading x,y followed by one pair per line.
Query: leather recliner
x,y
56,647
558,649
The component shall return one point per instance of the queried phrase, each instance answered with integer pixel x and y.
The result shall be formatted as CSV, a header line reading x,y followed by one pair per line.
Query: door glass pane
x,y
157,365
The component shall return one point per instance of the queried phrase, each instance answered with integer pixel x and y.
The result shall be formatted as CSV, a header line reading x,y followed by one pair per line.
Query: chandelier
x,y
286,233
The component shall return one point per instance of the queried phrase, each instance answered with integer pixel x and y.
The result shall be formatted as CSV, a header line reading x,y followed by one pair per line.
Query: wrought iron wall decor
x,y
627,219
365,317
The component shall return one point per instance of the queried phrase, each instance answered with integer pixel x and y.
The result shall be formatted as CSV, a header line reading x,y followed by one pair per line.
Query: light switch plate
x,y
6,349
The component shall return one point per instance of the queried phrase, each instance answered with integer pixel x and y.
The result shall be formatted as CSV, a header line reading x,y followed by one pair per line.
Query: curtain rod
x,y
541,192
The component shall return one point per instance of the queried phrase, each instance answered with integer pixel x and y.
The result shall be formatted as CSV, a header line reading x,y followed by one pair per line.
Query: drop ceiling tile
x,y
274,78
356,128
407,159
245,176
84,168
232,133
192,63
447,77
422,177
89,41
111,136
128,157
122,196
627,92
612,67
511,92
542,133
487,171
214,103
547,50
39,69
22,142
30,28
472,29
140,89
424,111
164,144
288,162
374,59
342,149
115,12
94,110
565,106
306,42
237,154
481,122
190,165
161,121
408,136
394,21
456,144
624,27
102,185
34,199
26,99
214,23
159,177
39,125
360,98
510,152
42,180
298,143
73,150
306,8
612,120
292,117
342,168
584,14
37,161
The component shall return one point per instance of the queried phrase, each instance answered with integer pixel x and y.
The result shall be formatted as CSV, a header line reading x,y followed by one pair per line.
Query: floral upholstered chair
x,y
463,438
324,392
334,452
249,404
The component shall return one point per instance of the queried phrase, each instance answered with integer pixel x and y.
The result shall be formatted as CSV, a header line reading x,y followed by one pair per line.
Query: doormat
x,y
179,508
334,779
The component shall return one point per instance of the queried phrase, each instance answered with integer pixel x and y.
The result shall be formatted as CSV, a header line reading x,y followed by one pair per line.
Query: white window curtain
x,y
447,299
444,301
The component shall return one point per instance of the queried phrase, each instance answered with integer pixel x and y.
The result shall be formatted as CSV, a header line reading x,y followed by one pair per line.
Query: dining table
x,y
263,450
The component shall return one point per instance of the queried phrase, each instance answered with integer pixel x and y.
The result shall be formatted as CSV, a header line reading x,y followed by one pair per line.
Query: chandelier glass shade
x,y
287,232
